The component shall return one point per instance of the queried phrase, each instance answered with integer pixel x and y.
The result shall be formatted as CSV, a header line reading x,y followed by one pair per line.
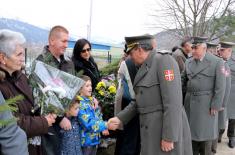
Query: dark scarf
x,y
90,69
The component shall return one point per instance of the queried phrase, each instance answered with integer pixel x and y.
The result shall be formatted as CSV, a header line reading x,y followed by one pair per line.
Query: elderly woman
x,y
13,82
83,61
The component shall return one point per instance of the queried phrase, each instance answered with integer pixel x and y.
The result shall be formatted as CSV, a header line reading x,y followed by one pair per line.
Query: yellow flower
x,y
100,84
85,117
101,92
95,127
112,89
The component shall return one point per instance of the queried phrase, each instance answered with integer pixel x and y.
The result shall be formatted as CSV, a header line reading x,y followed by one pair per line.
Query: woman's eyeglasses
x,y
84,50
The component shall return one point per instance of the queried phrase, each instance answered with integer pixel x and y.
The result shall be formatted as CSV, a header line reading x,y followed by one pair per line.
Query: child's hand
x,y
96,103
65,124
105,132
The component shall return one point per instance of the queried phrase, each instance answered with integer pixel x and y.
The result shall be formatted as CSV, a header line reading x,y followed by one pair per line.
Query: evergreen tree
x,y
10,105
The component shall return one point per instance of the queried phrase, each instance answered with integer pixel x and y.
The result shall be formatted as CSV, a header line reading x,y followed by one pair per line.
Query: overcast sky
x,y
111,19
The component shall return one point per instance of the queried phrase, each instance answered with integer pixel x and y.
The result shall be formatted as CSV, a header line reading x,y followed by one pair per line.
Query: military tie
x,y
197,61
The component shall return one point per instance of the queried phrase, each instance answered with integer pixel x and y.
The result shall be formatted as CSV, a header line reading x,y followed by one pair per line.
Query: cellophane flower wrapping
x,y
53,89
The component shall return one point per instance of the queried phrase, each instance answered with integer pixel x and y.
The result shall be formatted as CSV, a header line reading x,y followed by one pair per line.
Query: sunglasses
x,y
84,50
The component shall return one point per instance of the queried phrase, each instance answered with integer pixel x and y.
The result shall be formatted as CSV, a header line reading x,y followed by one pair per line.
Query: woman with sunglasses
x,y
84,62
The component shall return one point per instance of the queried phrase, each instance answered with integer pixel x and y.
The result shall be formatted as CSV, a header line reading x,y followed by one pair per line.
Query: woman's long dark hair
x,y
89,67
78,49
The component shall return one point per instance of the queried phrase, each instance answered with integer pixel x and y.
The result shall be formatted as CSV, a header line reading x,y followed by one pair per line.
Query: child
x,y
90,118
71,141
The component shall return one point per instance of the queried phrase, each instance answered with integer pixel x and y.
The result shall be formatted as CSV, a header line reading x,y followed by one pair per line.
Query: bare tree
x,y
190,17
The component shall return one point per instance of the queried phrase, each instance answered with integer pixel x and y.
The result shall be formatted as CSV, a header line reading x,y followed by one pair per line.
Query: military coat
x,y
157,87
223,114
205,82
231,102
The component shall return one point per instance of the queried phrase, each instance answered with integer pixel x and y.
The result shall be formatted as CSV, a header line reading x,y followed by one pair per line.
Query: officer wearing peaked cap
x,y
224,45
205,87
138,40
227,47
222,115
198,40
164,127
212,47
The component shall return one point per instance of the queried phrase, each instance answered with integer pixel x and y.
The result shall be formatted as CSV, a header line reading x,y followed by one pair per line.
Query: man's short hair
x,y
184,42
58,28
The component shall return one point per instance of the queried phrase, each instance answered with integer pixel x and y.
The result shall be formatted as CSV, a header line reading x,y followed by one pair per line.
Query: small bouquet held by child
x,y
105,92
53,88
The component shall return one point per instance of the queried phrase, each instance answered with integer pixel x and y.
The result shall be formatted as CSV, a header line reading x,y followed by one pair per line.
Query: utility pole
x,y
90,20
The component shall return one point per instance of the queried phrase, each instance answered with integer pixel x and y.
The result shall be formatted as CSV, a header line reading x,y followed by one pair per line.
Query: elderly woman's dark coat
x,y
31,123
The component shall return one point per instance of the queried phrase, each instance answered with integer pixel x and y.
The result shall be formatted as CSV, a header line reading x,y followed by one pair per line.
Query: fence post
x,y
110,58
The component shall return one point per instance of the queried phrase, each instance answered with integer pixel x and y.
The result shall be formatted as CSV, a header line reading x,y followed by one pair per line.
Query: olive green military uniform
x,y
63,64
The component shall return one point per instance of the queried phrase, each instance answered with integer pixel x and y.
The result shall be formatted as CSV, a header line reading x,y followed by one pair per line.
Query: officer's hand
x,y
105,132
213,111
65,124
114,123
167,146
221,109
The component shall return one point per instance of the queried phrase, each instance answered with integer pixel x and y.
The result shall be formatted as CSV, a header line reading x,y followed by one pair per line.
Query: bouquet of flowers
x,y
105,92
53,89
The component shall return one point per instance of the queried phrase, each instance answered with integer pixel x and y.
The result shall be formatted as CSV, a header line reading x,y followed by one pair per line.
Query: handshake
x,y
114,123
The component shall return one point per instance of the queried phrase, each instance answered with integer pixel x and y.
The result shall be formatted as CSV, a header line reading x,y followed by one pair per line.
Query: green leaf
x,y
10,105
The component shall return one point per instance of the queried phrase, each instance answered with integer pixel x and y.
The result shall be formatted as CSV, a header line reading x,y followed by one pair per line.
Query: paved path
x,y
223,148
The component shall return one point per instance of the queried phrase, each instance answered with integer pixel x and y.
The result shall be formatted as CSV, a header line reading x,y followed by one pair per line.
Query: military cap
x,y
131,42
199,40
211,45
226,45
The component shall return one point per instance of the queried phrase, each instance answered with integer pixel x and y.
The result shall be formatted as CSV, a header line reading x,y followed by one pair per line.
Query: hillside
x,y
33,34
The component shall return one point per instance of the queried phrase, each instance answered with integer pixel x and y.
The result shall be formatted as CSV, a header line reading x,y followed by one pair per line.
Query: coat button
x,y
146,127
141,92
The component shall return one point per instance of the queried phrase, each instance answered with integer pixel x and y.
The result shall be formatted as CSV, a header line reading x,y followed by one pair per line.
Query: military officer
x,y
222,116
205,82
164,127
227,47
212,48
